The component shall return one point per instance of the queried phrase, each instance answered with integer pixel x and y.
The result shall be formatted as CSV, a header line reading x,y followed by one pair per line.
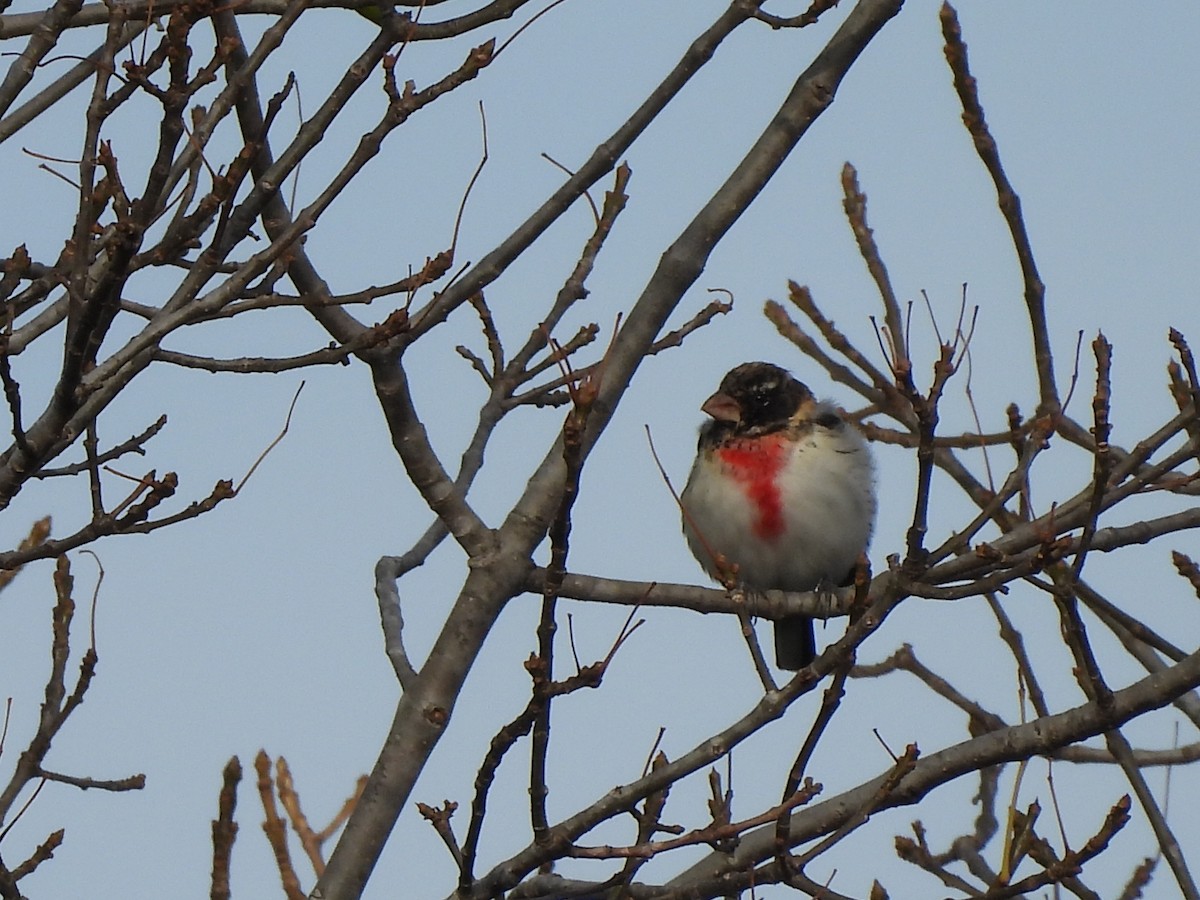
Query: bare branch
x,y
224,830
1010,207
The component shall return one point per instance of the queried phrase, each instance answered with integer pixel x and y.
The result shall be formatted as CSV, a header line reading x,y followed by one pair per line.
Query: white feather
x,y
828,504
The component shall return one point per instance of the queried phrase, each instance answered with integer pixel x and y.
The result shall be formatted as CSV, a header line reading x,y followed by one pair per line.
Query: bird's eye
x,y
828,420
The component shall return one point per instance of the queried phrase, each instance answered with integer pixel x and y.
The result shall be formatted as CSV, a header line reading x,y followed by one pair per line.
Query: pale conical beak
x,y
722,407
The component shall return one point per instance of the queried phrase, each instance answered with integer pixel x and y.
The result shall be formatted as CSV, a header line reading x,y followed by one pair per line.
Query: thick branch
x,y
1039,737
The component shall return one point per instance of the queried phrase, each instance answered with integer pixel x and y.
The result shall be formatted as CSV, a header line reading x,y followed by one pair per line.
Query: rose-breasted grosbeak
x,y
782,486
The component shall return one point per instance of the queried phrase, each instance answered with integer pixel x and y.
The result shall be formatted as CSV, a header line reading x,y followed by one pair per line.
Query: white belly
x,y
826,493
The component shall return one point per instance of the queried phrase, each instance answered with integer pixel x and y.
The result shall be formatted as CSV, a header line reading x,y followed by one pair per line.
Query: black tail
x,y
795,643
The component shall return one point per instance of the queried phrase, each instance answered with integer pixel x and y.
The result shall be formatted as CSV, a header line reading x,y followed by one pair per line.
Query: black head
x,y
756,398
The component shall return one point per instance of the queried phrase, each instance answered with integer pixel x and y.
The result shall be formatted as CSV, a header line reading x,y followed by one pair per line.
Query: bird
x,y
783,486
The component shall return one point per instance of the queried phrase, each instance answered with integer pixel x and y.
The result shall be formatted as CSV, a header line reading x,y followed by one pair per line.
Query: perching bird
x,y
782,486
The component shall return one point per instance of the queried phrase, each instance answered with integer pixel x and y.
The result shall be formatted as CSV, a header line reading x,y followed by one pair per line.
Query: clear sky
x,y
256,626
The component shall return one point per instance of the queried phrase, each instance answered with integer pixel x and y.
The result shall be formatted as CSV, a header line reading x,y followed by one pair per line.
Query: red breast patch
x,y
756,465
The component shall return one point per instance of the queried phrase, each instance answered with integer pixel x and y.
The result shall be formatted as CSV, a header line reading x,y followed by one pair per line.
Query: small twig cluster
x,y
29,772
280,787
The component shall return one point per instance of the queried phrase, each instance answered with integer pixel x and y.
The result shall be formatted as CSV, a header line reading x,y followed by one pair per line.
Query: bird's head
x,y
758,398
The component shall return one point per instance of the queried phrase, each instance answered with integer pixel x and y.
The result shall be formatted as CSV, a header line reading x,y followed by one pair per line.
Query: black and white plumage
x,y
784,487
